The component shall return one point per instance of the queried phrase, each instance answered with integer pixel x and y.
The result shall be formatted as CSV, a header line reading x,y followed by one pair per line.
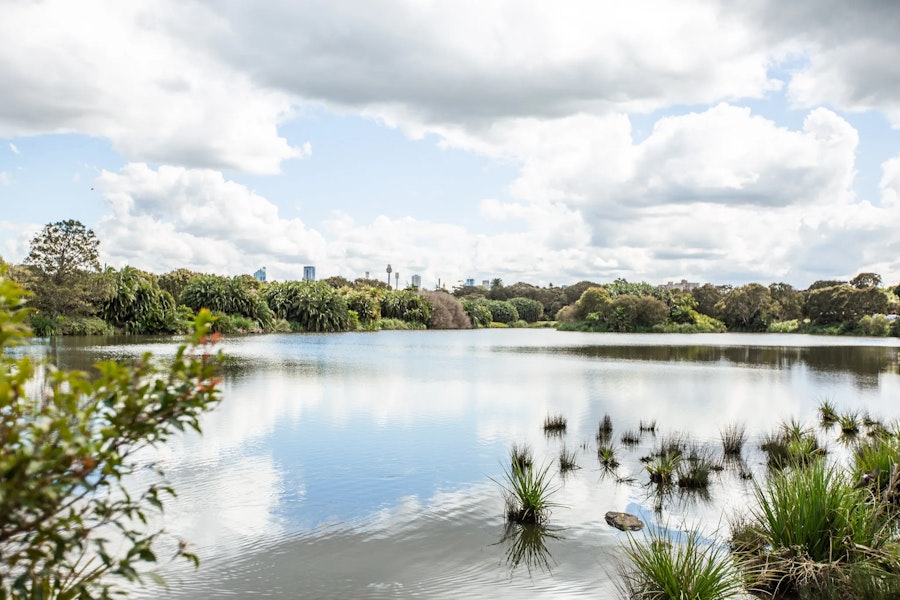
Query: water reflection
x,y
358,465
526,543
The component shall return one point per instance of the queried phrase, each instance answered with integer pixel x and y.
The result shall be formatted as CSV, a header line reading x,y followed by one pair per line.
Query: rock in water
x,y
624,521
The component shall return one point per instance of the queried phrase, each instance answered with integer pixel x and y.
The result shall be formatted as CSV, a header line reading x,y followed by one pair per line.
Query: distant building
x,y
417,281
309,273
470,282
684,285
260,274
486,283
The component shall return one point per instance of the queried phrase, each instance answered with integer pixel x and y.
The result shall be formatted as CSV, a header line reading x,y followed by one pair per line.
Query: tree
x,y
139,305
502,311
313,305
175,281
593,300
707,296
866,280
529,310
64,264
747,308
790,301
69,444
448,311
478,311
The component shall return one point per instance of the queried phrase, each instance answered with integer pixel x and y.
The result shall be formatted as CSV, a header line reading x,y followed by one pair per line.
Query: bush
x,y
528,310
502,311
874,325
448,311
68,447
478,312
314,306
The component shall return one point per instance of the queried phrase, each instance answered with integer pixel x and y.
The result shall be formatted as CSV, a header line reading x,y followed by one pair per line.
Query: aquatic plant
x,y
607,456
604,431
665,565
874,462
812,526
648,426
791,445
663,466
527,492
849,422
734,436
520,455
567,460
631,438
828,413
693,469
555,424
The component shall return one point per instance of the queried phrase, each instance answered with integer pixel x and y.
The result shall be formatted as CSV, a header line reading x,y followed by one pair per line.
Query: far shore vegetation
x,y
71,294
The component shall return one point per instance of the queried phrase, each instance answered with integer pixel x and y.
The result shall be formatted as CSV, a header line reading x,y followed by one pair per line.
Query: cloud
x,y
175,217
117,72
13,148
5,178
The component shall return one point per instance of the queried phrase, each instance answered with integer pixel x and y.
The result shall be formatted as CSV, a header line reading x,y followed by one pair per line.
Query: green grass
x,y
827,413
662,567
607,456
791,445
849,422
694,468
663,467
810,522
527,492
521,456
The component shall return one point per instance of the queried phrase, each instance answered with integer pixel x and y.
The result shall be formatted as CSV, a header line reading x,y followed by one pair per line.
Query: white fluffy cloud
x,y
175,217
115,70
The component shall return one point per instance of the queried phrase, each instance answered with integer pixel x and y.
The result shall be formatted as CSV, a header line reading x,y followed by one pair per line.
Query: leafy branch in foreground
x,y
72,522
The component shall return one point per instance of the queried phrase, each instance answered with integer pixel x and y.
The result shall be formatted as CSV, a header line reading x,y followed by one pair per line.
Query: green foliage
x,y
573,292
138,305
366,303
667,566
241,295
337,282
747,308
593,300
175,281
502,311
314,306
707,297
69,525
478,312
791,326
527,493
874,325
406,305
866,280
683,309
789,302
842,303
811,520
528,310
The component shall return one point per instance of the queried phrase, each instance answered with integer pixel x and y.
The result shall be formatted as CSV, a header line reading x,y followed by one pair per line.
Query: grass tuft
x,y
607,456
734,437
555,424
648,426
663,566
567,461
631,438
521,456
527,494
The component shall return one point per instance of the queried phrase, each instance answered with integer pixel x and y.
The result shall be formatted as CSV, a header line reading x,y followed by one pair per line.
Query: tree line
x,y
72,294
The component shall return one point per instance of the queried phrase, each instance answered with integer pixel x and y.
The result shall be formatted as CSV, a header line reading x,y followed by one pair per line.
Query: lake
x,y
360,465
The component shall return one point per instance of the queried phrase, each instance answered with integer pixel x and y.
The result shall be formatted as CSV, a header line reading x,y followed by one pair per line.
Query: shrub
x,y
68,448
448,311
502,311
314,306
528,310
478,312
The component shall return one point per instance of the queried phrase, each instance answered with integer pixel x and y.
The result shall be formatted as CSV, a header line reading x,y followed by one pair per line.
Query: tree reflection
x,y
526,543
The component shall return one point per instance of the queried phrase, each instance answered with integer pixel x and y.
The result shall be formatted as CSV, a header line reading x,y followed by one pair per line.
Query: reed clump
x,y
792,445
606,454
520,455
734,436
527,491
662,566
555,424
631,438
567,461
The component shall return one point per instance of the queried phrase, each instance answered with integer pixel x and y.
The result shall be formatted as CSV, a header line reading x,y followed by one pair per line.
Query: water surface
x,y
360,465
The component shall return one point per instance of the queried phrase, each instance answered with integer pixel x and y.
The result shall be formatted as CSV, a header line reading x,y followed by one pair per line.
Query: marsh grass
x,y
734,436
811,528
567,461
605,429
555,425
661,566
849,423
527,544
693,469
527,492
606,454
647,426
631,438
874,462
663,467
791,445
828,414
520,455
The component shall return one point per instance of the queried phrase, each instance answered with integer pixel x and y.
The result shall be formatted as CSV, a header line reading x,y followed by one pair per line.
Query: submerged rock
x,y
624,521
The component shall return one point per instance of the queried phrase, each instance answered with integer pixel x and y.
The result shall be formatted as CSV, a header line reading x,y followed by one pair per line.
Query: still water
x,y
360,465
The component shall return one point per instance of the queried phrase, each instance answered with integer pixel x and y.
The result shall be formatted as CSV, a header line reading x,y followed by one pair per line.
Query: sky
x,y
546,142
